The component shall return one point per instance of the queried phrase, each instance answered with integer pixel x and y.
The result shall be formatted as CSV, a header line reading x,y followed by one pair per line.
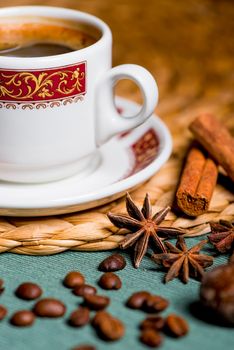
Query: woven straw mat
x,y
92,231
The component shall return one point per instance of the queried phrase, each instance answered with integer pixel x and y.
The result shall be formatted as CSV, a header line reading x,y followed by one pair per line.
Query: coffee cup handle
x,y
108,121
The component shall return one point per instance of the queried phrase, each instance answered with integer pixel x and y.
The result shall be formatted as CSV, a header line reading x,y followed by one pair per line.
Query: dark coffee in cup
x,y
35,37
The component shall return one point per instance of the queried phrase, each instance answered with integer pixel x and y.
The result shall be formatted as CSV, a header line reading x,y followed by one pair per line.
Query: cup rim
x,y
49,11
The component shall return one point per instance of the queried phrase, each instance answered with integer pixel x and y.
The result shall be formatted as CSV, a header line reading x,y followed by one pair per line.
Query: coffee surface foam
x,y
42,38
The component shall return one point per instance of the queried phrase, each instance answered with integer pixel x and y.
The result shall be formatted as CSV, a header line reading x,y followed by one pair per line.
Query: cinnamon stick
x,y
216,139
197,183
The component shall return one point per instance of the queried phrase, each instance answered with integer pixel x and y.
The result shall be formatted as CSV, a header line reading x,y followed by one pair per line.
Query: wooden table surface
x,y
188,45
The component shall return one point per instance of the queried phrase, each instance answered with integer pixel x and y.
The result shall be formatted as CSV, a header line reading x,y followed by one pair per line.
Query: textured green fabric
x,y
49,271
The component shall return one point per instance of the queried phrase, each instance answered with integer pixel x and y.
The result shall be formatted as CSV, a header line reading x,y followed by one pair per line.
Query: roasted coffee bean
x,y
137,299
217,294
111,328
151,338
96,302
3,312
49,307
115,262
153,322
84,347
74,279
23,318
1,286
99,317
176,326
154,304
110,280
84,290
107,326
79,317
28,291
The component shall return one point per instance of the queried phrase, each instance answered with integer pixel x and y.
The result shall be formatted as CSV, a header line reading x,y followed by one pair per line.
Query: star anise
x,y
222,236
143,226
183,262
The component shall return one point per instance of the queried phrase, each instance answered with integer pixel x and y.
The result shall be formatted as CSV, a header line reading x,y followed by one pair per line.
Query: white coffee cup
x,y
50,131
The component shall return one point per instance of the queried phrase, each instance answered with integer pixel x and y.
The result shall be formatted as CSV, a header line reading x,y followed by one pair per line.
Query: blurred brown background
x,y
188,45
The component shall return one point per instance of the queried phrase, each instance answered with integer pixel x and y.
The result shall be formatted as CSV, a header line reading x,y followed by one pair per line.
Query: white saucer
x,y
122,164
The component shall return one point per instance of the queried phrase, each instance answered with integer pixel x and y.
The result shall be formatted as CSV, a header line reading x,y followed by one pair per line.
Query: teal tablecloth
x,y
49,271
